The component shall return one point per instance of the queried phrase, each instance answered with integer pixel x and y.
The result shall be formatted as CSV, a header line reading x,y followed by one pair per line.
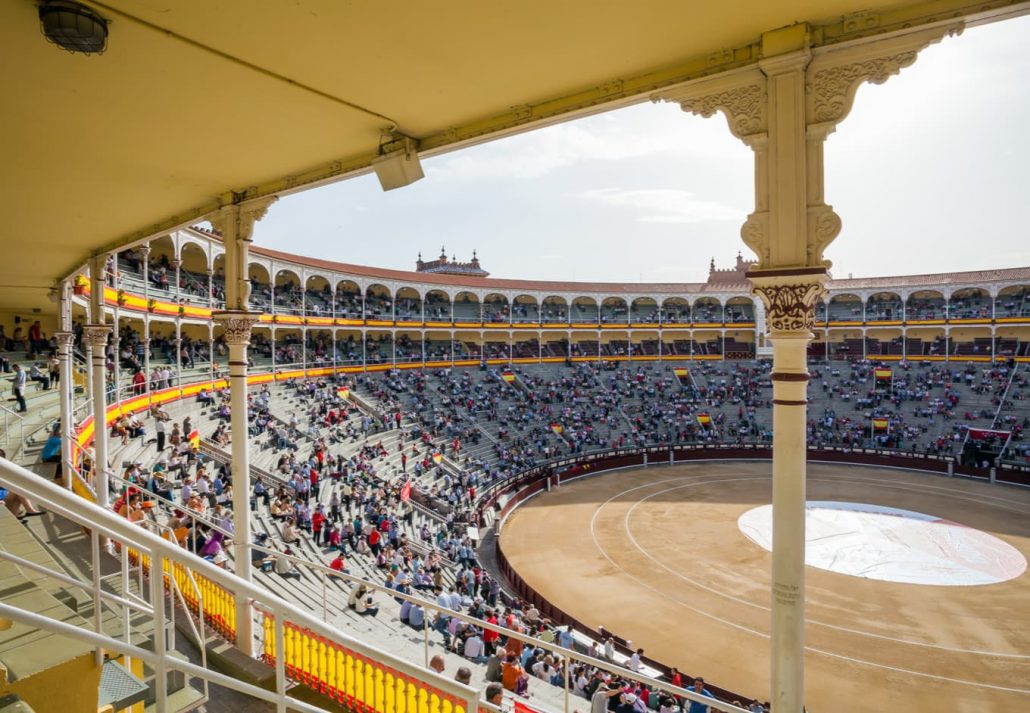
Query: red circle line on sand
x,y
762,607
755,632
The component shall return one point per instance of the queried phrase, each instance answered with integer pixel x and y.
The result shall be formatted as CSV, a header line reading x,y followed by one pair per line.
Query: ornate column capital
x,y
95,335
789,297
64,340
144,250
236,325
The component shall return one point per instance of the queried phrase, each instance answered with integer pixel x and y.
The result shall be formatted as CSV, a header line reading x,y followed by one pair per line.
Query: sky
x,y
929,173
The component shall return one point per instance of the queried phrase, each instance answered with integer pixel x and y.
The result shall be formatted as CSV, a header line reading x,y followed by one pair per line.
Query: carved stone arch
x,y
184,238
216,251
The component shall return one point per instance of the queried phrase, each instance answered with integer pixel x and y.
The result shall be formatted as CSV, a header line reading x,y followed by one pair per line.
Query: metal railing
x,y
14,429
371,680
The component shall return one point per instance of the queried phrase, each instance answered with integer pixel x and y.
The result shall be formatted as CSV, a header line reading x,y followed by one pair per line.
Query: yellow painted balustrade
x,y
348,677
217,604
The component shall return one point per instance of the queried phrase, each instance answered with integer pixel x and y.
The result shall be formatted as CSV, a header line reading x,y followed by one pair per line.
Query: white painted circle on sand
x,y
893,545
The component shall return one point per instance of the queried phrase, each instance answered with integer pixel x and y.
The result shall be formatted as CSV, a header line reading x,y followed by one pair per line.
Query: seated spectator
x,y
39,376
339,564
417,617
291,535
365,605
474,649
260,559
159,486
494,665
513,678
52,449
494,694
20,506
284,567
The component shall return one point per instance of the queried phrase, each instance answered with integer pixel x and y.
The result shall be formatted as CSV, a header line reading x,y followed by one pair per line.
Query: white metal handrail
x,y
106,524
18,421
569,656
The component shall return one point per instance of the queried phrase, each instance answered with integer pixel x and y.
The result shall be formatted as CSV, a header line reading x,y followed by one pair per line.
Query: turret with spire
x,y
450,266
735,276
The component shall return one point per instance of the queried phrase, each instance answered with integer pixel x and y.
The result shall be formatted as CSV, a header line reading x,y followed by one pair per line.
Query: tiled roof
x,y
934,280
940,279
491,283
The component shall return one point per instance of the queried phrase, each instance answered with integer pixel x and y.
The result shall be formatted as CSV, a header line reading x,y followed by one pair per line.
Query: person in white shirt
x,y
634,661
475,649
544,669
284,568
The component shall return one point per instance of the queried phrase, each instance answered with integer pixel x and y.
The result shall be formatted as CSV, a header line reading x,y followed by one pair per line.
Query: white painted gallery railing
x,y
303,648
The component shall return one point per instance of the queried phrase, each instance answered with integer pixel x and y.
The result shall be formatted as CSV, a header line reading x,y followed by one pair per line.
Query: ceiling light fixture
x,y
73,26
397,164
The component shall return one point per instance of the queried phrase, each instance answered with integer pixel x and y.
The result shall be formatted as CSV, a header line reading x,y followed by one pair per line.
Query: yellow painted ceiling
x,y
197,98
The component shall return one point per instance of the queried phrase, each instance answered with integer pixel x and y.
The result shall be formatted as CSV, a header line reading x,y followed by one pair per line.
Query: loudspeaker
x,y
397,169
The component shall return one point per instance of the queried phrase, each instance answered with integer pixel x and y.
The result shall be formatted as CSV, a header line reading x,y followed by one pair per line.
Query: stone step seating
x,y
388,466
969,401
60,545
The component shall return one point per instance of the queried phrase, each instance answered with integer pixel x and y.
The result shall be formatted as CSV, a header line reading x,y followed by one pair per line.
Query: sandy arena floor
x,y
656,556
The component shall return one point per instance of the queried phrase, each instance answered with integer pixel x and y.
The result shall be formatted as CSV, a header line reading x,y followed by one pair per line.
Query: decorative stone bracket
x,y
784,108
236,224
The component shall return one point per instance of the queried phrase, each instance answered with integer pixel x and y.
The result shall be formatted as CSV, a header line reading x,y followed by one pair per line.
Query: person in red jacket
x,y
373,542
317,523
489,635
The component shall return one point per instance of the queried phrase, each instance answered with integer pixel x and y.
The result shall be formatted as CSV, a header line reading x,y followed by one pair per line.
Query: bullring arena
x,y
259,455
656,555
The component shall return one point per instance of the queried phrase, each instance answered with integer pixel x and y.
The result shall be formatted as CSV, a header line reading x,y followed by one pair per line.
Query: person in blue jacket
x,y
699,687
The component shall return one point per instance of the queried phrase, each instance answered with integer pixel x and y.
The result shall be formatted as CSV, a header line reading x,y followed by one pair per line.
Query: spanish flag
x,y
882,373
557,428
437,457
343,392
508,376
194,438
681,372
704,419
880,424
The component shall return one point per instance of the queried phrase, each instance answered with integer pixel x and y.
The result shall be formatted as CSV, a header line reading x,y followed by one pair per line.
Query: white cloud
x,y
664,205
633,133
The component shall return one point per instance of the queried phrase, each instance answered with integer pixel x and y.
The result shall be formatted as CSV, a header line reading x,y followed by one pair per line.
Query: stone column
x,y
236,224
96,336
790,310
65,344
177,355
783,106
144,258
116,344
237,326
177,264
146,359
